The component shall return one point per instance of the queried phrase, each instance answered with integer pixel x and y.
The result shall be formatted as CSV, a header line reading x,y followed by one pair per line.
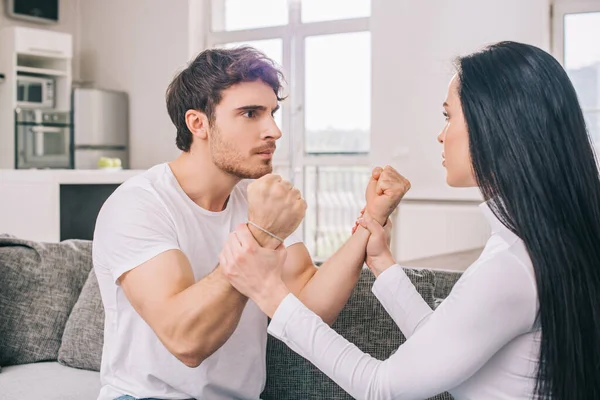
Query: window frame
x,y
559,11
291,158
293,35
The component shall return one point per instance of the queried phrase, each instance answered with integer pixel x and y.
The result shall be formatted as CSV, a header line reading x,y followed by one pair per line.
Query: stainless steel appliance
x,y
43,139
35,92
100,126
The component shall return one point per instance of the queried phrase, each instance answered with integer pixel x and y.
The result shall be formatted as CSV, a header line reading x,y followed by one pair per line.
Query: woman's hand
x,y
253,270
379,256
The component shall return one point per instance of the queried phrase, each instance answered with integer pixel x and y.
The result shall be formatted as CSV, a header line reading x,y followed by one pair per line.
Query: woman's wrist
x,y
381,263
270,298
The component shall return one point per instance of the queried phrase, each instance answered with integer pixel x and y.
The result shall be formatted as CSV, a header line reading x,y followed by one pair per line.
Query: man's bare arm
x,y
325,290
192,319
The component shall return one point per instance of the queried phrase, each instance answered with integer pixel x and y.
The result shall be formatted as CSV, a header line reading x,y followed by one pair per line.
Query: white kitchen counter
x,y
69,176
30,200
430,220
66,176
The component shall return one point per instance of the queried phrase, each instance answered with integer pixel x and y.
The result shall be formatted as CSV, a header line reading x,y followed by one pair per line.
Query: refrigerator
x,y
100,127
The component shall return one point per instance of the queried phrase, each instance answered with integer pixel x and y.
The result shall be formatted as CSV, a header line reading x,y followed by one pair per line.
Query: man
x,y
175,327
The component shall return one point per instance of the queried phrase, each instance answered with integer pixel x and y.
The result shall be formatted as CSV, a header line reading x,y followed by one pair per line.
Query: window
x,y
324,49
235,15
576,35
338,93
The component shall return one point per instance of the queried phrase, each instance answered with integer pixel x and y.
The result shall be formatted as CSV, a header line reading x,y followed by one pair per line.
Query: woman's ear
x,y
197,123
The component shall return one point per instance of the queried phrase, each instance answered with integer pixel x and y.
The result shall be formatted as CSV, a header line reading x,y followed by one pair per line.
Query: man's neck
x,y
203,182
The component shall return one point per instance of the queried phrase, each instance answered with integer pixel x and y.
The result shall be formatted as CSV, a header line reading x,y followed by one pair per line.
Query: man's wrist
x,y
220,276
264,239
381,220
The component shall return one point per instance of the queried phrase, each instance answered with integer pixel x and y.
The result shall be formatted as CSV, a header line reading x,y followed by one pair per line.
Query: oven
x,y
43,139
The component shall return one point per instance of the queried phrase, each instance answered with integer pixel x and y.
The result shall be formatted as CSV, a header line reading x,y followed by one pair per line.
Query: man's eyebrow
x,y
256,107
445,104
252,107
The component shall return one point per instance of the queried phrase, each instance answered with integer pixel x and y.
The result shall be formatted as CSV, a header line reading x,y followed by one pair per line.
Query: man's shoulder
x,y
140,191
150,177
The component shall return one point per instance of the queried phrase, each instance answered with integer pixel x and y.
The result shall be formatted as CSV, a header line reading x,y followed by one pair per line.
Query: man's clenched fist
x,y
275,205
384,192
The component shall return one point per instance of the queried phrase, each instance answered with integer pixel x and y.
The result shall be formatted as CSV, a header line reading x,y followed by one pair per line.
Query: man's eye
x,y
250,114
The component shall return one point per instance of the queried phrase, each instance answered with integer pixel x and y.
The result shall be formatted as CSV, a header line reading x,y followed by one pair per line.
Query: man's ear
x,y
197,123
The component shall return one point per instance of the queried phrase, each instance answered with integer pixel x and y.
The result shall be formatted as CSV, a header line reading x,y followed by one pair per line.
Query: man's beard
x,y
227,159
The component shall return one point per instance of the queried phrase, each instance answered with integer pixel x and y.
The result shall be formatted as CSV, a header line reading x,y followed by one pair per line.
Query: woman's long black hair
x,y
534,163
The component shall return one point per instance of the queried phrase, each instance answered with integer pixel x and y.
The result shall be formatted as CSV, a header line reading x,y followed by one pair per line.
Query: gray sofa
x,y
51,324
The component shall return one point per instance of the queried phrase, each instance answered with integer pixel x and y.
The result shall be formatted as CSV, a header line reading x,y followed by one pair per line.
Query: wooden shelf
x,y
41,71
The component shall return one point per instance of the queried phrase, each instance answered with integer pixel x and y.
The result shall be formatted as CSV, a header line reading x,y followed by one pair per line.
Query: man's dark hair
x,y
200,85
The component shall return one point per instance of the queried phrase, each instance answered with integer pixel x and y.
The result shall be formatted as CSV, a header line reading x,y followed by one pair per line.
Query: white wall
x,y
68,23
414,44
138,46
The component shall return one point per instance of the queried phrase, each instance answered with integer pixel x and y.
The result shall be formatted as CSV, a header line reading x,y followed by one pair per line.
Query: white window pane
x,y
329,10
338,93
582,62
235,15
285,171
592,120
273,49
335,196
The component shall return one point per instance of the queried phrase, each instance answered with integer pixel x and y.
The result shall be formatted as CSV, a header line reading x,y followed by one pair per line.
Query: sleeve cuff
x,y
288,306
390,276
139,260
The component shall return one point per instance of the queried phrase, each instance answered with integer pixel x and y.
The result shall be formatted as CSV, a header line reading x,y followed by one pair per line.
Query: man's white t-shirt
x,y
148,215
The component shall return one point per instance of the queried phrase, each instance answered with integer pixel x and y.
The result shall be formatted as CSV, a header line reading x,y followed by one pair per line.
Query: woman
x,y
523,320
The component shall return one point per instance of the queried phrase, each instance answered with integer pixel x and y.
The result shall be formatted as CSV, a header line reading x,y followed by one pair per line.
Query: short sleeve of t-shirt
x,y
133,227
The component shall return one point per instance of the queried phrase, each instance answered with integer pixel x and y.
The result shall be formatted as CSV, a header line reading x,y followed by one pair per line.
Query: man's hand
x,y
276,206
253,270
384,192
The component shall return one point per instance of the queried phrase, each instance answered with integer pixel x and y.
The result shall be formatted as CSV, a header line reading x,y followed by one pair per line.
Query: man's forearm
x,y
328,290
200,319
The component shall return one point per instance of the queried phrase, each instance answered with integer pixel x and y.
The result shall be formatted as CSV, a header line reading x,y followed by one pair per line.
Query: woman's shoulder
x,y
505,273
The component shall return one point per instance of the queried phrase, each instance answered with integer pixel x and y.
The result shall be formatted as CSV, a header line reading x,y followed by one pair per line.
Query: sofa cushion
x,y
39,286
444,282
48,381
83,337
364,322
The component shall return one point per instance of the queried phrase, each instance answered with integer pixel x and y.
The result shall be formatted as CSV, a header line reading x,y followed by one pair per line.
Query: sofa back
x,y
39,285
364,322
